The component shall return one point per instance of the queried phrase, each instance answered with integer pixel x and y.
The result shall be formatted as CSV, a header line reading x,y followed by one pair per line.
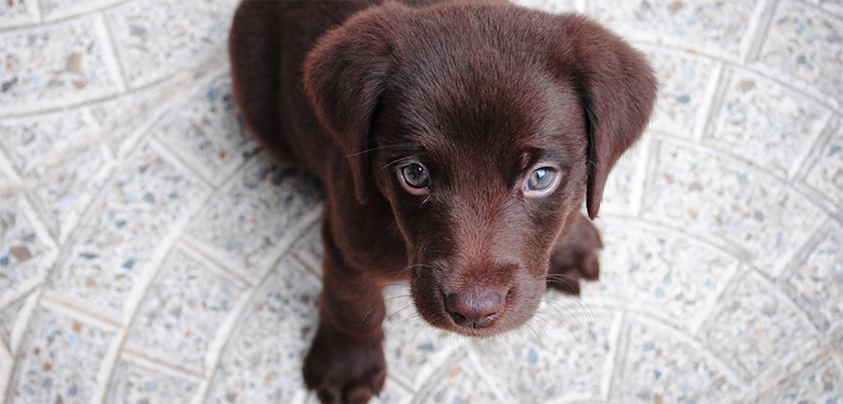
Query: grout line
x,y
161,361
756,31
39,14
802,166
712,97
823,129
708,309
613,357
110,54
7,365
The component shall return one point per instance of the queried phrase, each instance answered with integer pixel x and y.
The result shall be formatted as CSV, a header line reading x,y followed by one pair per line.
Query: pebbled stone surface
x,y
151,253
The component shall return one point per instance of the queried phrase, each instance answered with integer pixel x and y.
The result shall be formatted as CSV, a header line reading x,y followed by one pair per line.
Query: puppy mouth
x,y
476,312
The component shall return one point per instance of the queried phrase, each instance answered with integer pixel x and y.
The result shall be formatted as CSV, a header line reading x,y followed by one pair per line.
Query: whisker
x,y
391,316
579,299
360,153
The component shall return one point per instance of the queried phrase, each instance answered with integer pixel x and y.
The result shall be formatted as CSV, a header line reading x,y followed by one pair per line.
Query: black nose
x,y
476,310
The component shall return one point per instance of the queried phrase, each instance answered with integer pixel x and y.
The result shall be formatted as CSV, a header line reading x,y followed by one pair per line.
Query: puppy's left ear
x,y
344,75
617,89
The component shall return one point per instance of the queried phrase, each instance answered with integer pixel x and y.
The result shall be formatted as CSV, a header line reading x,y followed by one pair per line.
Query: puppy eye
x,y
542,180
414,178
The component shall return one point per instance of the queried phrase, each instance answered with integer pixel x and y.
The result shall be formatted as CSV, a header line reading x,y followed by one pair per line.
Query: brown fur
x,y
477,92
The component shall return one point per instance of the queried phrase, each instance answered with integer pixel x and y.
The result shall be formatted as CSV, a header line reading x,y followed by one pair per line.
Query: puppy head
x,y
484,127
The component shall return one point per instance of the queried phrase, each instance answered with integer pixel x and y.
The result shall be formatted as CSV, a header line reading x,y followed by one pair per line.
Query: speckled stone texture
x,y
150,252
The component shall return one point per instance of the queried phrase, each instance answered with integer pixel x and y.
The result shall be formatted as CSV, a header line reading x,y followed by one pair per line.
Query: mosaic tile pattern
x,y
157,38
821,383
662,366
826,175
820,279
757,331
62,358
151,253
807,45
26,253
764,123
645,267
715,27
714,195
18,12
138,382
55,65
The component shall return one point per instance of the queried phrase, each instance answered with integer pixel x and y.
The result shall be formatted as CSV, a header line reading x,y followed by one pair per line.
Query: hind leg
x,y
575,258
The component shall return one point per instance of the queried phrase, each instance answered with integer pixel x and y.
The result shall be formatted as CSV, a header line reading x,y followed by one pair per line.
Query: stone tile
x,y
659,365
141,209
698,191
58,153
55,65
141,382
459,381
757,330
826,175
820,383
56,9
554,358
35,141
806,45
644,267
126,118
158,38
765,123
18,12
207,131
60,360
14,319
820,279
683,81
716,26
262,363
831,6
412,347
66,188
183,311
26,252
256,216
551,6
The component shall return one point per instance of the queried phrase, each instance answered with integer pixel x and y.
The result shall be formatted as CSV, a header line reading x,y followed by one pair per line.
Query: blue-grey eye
x,y
541,179
415,175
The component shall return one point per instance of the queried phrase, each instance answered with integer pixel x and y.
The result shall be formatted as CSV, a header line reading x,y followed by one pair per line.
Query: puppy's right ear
x,y
344,75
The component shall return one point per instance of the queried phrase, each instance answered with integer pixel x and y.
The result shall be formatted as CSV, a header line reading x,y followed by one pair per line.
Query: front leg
x,y
346,361
575,257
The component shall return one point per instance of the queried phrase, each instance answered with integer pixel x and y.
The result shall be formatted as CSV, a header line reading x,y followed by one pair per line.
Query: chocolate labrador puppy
x,y
456,142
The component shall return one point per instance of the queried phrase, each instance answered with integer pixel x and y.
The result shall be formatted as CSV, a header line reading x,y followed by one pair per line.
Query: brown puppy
x,y
456,143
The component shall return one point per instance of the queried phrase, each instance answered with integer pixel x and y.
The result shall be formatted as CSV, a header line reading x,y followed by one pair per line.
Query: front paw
x,y
341,370
575,258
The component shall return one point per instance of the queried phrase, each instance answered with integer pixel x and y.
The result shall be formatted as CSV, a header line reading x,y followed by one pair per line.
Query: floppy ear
x,y
344,76
617,89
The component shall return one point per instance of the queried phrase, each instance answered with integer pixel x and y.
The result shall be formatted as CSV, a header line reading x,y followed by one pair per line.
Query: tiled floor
x,y
150,253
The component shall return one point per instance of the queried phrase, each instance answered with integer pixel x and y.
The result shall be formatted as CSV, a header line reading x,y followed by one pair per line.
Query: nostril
x,y
474,309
